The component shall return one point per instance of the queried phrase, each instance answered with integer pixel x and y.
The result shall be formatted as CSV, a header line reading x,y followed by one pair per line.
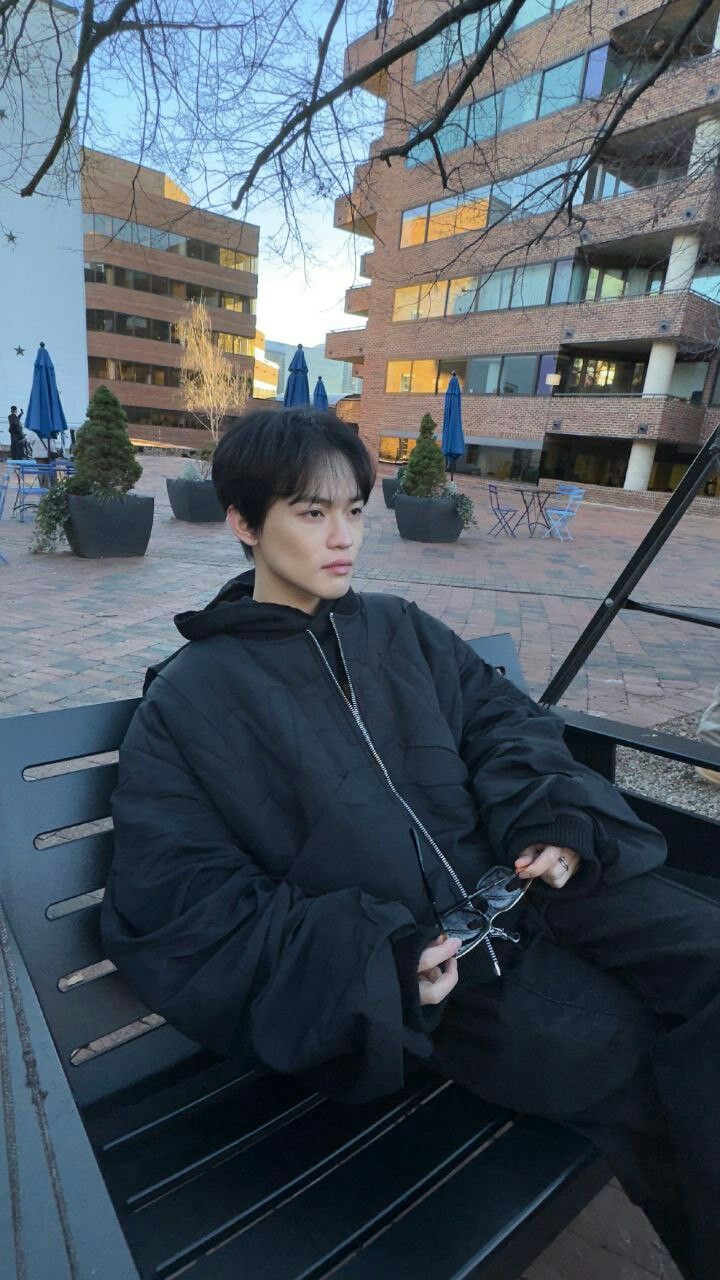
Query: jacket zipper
x,y
353,708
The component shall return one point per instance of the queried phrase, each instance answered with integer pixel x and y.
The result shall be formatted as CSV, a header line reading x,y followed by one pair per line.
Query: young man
x,y
17,450
317,776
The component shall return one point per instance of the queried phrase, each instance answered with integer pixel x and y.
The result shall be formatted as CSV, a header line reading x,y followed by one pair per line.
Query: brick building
x,y
148,254
587,349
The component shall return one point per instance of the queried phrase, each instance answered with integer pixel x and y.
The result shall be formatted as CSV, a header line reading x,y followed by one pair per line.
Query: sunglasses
x,y
472,918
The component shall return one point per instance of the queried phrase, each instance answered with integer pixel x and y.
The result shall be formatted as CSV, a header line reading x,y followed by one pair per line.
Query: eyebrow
x,y
315,500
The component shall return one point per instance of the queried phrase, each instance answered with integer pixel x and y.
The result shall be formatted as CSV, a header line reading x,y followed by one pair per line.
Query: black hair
x,y
13,407
271,454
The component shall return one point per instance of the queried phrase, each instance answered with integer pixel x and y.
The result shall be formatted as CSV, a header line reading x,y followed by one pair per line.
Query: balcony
x,y
363,51
638,321
357,300
647,417
347,344
355,214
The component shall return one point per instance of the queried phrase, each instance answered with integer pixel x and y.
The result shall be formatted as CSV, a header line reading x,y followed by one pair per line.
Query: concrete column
x,y
660,369
705,147
682,261
642,456
716,38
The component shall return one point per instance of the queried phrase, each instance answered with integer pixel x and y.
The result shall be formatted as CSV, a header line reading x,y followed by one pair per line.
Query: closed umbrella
x,y
44,412
453,441
320,399
297,388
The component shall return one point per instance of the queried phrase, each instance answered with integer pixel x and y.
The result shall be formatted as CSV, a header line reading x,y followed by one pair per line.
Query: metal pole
x,y
656,537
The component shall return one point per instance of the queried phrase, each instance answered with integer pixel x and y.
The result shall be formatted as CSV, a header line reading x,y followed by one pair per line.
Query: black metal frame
x,y
618,596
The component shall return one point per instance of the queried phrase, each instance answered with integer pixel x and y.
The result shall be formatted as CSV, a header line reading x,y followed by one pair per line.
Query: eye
x,y
357,511
314,511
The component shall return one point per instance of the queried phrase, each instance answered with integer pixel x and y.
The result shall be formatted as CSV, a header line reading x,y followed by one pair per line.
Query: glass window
x,y
520,101
122,229
612,283
562,279
424,376
518,375
193,248
453,136
422,153
707,281
547,369
103,224
442,219
160,284
159,238
88,223
596,81
532,11
545,189
483,373
656,280
461,295
211,253
561,86
431,302
494,291
578,283
446,368
176,244
405,304
228,258
484,119
432,57
508,195
398,375
636,283
144,235
413,226
591,284
141,280
472,210
530,288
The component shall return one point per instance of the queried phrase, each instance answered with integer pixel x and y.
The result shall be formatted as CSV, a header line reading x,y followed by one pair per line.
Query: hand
x,y
437,969
543,861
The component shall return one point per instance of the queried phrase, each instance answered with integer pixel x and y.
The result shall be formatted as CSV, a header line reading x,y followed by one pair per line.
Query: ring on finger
x,y
563,863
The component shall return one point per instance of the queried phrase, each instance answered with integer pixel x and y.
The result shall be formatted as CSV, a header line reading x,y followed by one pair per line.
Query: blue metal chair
x,y
503,514
30,486
4,482
558,518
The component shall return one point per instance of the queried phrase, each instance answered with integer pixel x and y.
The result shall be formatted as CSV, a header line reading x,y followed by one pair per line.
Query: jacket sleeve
x,y
528,786
237,960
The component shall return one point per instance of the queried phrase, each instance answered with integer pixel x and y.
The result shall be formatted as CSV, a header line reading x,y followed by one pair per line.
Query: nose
x,y
341,533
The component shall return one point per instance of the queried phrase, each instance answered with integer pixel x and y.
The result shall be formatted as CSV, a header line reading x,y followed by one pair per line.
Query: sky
x,y
301,304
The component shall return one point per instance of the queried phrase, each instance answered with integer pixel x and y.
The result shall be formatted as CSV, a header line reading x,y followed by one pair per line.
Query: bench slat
x,y
373,1183
491,1218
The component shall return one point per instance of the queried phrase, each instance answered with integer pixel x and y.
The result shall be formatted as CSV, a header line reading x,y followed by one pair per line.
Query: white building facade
x,y
41,237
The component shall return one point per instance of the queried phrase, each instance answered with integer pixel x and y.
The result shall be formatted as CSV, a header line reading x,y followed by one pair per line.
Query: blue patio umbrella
x,y
453,441
297,388
320,399
44,412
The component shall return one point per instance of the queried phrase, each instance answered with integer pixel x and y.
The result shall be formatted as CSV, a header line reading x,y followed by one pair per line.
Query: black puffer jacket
x,y
264,873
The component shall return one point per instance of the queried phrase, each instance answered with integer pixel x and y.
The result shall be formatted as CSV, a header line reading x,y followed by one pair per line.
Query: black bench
x,y
135,1154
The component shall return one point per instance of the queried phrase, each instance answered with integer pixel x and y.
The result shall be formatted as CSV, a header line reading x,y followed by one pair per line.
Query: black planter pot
x,y
118,527
427,519
390,486
195,501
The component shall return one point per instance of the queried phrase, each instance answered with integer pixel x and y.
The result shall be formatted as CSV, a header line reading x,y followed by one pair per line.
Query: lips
x,y
339,566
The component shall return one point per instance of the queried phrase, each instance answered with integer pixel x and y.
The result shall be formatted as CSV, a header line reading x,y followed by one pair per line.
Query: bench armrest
x,y
91,1224
600,734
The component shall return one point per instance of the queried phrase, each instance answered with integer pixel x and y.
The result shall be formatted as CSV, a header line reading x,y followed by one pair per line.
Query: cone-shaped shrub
x,y
105,460
425,470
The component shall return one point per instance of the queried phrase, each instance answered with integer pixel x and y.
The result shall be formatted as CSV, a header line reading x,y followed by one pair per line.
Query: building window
x,y
531,285
143,281
528,286
460,41
462,294
522,375
103,224
535,96
483,375
522,196
112,370
518,376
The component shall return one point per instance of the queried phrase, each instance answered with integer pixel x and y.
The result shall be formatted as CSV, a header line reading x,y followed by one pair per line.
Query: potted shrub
x,y
390,486
192,494
211,388
94,507
427,509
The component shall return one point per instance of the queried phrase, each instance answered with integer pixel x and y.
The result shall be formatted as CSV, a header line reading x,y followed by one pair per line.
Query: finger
x,y
541,864
431,975
527,856
437,955
435,992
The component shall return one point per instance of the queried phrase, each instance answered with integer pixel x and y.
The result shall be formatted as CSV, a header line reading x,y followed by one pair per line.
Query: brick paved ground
x,y
77,631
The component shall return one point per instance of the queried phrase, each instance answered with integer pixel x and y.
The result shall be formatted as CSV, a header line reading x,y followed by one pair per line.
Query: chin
x,y
335,589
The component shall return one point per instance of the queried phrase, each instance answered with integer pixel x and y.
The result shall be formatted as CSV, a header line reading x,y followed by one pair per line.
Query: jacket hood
x,y
234,612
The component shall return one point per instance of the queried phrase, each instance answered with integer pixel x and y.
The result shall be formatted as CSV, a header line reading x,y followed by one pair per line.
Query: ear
x,y
241,528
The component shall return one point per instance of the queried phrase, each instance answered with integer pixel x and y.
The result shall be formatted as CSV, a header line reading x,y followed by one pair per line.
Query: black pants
x,y
607,1019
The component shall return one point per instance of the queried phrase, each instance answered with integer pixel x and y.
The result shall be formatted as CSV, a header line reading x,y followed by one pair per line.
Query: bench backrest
x,y
55,849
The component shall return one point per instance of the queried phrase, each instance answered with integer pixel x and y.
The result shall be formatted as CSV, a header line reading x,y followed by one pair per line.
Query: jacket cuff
x,y
407,951
569,830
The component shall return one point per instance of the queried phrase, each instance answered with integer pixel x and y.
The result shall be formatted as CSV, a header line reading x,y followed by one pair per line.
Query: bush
x,y
424,475
105,466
